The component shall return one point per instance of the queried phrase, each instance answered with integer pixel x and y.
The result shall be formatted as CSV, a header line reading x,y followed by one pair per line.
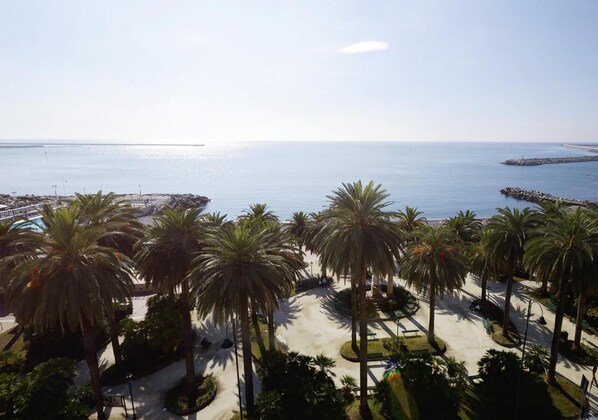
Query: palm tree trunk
x,y
432,308
258,334
94,372
188,344
353,309
484,287
364,409
556,335
581,309
389,286
271,341
247,362
544,288
506,320
113,327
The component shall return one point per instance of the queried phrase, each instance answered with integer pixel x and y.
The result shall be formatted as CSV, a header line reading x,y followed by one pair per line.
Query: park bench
x,y
406,331
371,335
487,326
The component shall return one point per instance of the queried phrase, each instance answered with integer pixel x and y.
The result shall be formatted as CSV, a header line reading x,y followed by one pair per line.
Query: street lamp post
x,y
541,321
54,186
129,377
237,363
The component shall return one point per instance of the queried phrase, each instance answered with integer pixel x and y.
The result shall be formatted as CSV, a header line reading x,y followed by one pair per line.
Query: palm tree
x,y
238,266
547,211
164,261
17,241
358,233
564,248
409,221
481,265
506,234
434,265
64,281
120,231
467,227
298,227
259,211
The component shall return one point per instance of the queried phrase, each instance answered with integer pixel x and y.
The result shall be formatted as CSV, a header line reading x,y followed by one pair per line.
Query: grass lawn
x,y
566,396
495,315
376,350
353,410
13,341
255,348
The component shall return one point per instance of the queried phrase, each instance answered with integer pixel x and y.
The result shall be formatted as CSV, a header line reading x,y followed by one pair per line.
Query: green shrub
x,y
395,345
176,397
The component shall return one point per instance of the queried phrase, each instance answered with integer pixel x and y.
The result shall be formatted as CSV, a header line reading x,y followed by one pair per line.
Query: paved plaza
x,y
309,324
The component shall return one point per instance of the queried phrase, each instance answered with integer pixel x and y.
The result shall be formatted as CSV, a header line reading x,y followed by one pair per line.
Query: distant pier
x,y
538,197
549,161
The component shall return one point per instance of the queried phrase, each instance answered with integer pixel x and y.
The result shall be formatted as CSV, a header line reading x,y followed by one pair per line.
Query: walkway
x,y
310,325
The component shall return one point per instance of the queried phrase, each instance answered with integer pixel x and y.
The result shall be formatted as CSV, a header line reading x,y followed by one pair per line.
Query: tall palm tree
x,y
164,261
409,221
547,211
238,266
358,233
435,264
298,227
482,265
64,281
17,241
120,230
566,248
506,234
259,211
467,227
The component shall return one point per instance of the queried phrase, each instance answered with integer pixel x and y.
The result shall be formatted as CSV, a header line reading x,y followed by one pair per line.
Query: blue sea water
x,y
437,178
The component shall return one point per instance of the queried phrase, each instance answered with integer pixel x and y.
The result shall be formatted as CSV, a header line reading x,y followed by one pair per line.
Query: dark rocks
x,y
538,197
187,201
549,161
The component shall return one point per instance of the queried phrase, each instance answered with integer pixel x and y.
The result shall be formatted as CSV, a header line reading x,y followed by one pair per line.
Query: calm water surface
x,y
438,178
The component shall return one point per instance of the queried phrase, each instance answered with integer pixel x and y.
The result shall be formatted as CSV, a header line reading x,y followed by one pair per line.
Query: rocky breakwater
x,y
549,161
538,197
187,201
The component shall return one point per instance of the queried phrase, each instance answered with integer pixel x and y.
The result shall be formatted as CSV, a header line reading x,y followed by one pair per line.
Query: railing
x,y
26,212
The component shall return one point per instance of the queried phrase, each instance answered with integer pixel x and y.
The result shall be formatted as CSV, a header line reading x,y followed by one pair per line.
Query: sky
x,y
201,71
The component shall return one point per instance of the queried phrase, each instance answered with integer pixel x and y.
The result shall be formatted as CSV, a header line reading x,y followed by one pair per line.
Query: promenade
x,y
310,325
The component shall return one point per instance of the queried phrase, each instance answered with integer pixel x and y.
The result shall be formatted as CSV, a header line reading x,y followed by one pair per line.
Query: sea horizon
x,y
439,178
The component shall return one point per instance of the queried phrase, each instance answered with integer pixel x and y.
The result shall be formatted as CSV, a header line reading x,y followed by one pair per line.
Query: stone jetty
x,y
187,201
538,197
549,161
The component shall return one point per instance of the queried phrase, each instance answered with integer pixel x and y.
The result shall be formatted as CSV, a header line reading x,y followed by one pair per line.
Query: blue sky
x,y
279,70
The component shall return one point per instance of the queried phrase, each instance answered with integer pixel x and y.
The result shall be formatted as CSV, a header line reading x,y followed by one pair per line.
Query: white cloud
x,y
364,47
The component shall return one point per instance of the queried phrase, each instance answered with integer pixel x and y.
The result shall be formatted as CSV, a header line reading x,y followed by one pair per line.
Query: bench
x,y
414,331
371,335
487,326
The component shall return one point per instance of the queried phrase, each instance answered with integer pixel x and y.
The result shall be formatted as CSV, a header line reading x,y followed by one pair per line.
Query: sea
x,y
438,178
